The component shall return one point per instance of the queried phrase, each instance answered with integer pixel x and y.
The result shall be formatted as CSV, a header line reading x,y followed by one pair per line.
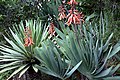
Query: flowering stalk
x,y
51,29
28,37
73,17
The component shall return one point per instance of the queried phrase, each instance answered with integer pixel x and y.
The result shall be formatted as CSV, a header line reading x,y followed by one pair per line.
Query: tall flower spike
x,y
28,37
61,14
72,2
51,29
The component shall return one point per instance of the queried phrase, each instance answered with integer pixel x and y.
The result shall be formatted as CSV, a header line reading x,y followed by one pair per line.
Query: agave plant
x,y
18,54
53,61
91,49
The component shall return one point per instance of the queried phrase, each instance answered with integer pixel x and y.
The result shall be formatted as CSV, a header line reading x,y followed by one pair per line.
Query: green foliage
x,y
52,61
112,13
90,48
4,76
14,55
14,11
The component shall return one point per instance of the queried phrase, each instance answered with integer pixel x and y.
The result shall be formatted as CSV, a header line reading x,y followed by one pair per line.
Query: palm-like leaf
x,y
15,55
90,49
52,61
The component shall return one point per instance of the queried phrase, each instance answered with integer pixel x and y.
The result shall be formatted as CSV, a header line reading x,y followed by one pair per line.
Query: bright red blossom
x,y
72,2
28,37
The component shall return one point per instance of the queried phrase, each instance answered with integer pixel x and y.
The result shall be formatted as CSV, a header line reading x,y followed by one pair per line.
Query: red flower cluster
x,y
52,29
28,37
74,17
62,14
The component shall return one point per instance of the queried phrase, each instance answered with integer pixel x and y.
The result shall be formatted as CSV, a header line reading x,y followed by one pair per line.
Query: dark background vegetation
x,y
13,11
